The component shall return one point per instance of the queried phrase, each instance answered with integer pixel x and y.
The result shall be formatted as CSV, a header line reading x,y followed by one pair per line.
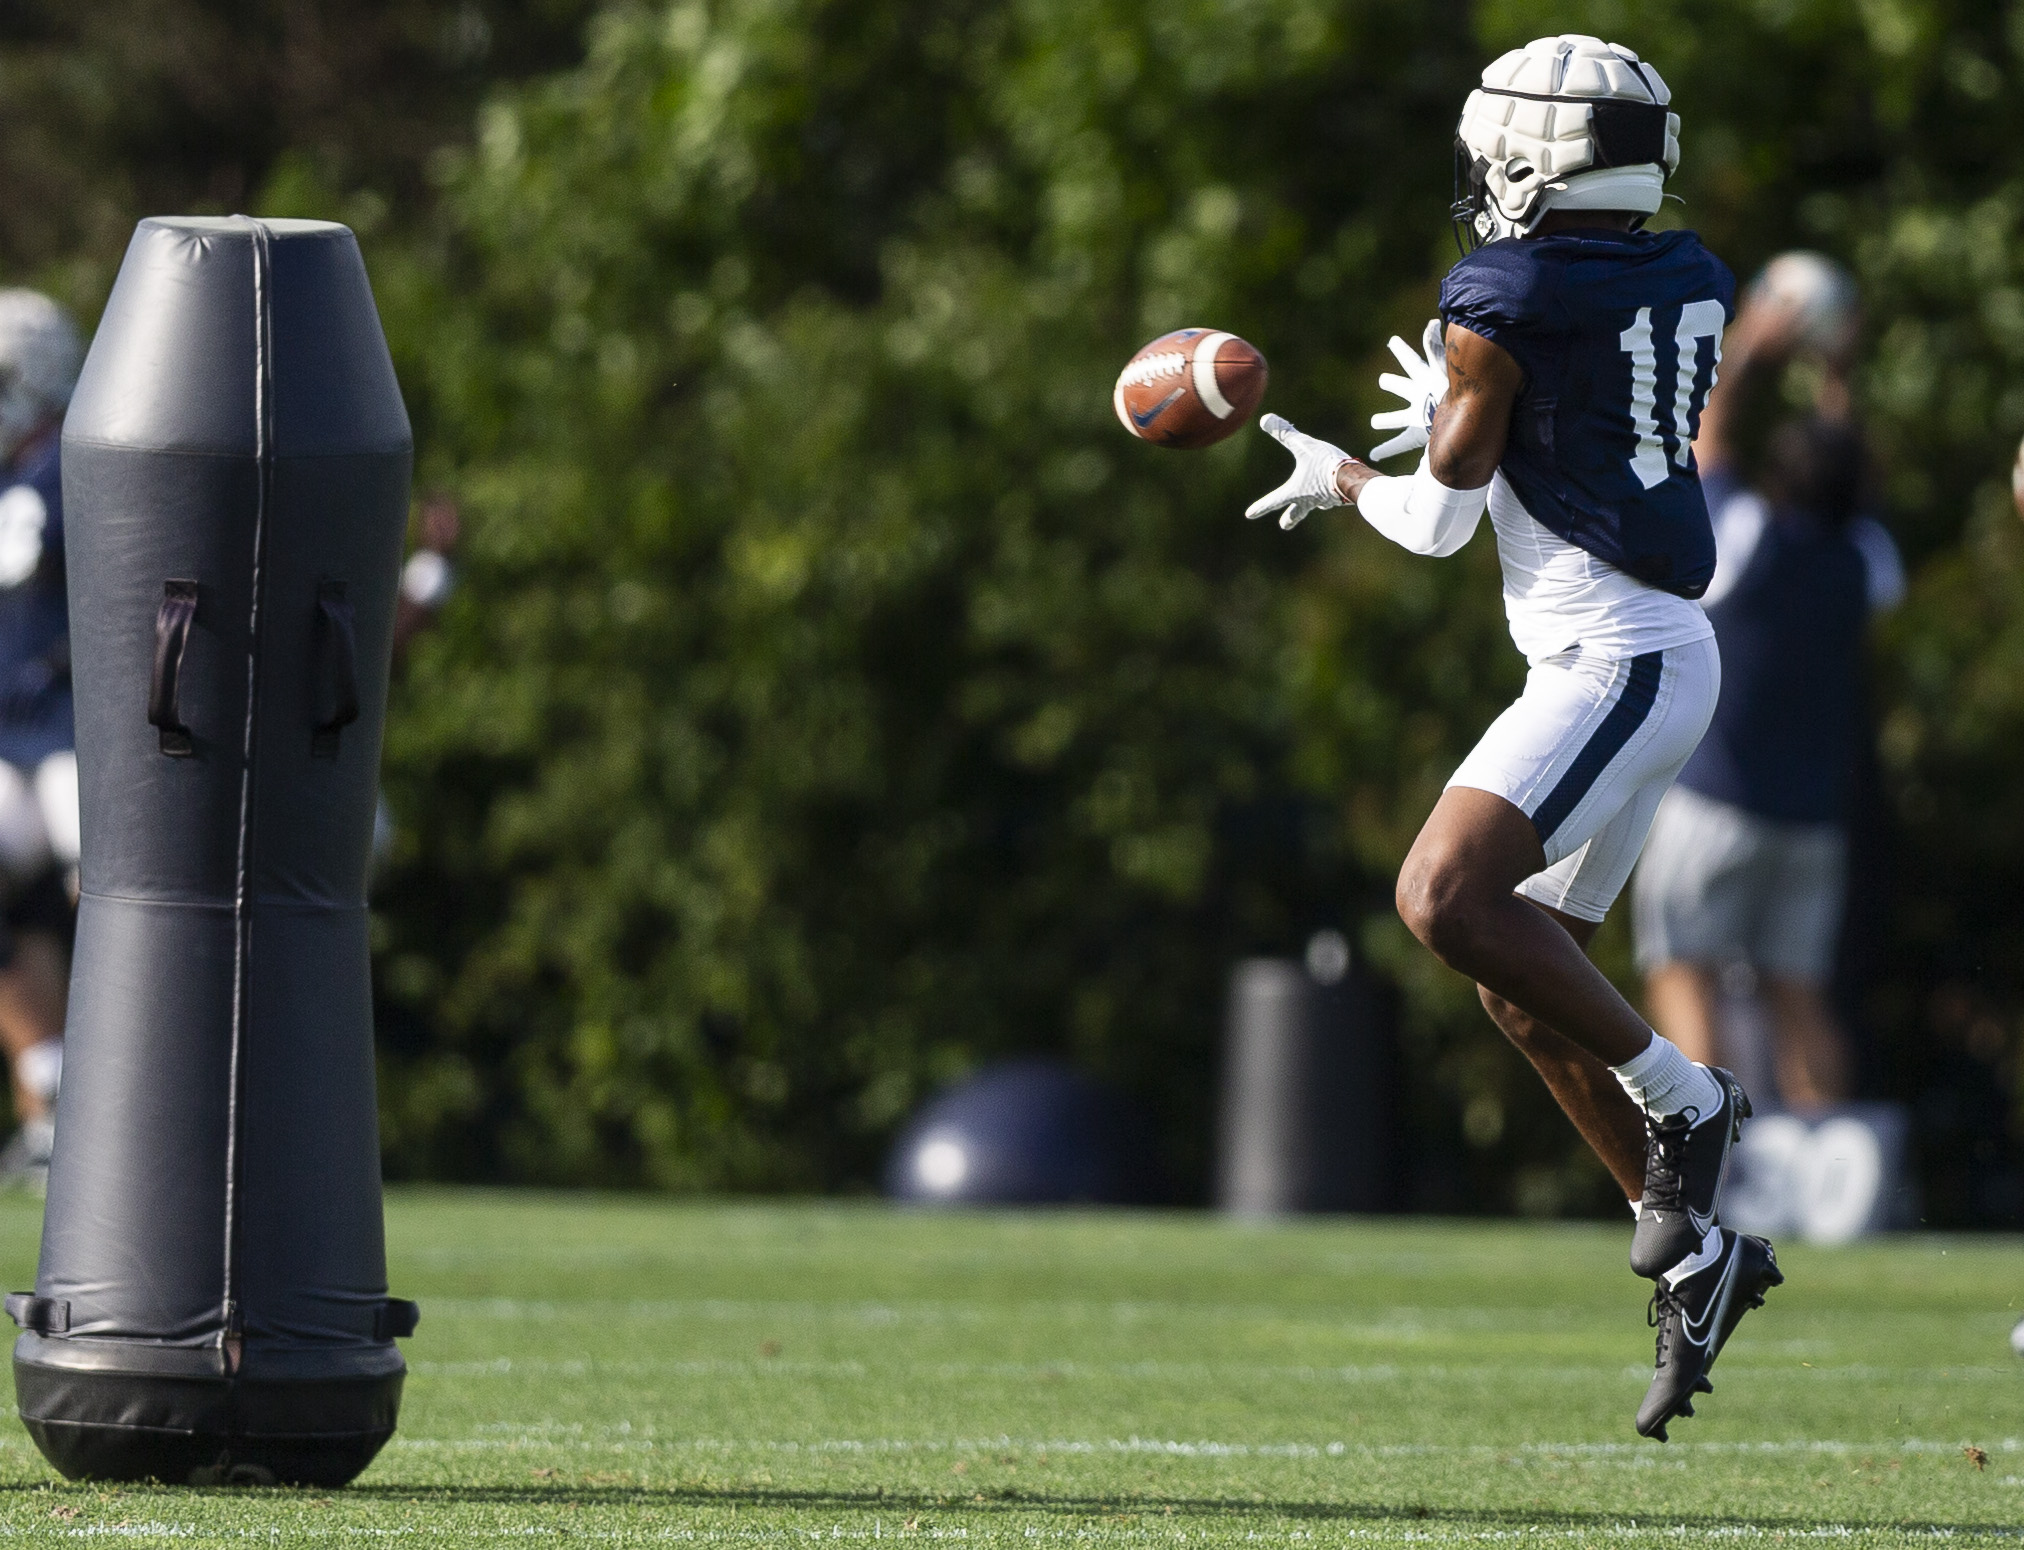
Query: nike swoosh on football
x,y
1158,409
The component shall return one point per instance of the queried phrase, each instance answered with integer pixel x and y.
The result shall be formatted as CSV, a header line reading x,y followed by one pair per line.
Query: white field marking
x,y
1300,1531
1180,1531
1156,1371
624,1437
546,1367
562,1367
1207,388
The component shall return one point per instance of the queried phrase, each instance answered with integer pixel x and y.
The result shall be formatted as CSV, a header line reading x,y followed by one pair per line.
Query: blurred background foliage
x,y
836,698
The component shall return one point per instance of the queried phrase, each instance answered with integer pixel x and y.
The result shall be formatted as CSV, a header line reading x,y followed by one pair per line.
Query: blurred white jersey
x,y
1559,597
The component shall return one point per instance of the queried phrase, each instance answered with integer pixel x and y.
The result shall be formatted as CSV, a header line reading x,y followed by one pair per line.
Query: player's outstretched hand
x,y
1422,387
1311,486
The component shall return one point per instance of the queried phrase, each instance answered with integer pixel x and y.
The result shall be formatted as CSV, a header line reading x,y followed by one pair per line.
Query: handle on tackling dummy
x,y
165,685
336,647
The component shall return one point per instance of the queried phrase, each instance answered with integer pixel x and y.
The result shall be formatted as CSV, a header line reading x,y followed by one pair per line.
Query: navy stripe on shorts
x,y
1633,706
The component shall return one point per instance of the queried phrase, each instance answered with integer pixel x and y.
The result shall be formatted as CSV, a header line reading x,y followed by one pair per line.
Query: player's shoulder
x,y
1602,263
1510,281
1689,260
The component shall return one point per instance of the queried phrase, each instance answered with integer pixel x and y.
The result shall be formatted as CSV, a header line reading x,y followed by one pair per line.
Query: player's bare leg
x,y
1456,894
31,1013
1586,1089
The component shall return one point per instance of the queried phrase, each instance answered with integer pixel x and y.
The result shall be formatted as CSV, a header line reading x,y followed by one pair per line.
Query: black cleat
x,y
1686,1161
1756,1273
1695,1320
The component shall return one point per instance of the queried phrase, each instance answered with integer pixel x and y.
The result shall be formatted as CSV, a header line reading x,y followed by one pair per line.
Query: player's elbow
x,y
1452,540
1464,464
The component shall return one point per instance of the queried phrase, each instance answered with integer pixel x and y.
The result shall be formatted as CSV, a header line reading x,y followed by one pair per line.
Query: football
x,y
1821,292
1190,388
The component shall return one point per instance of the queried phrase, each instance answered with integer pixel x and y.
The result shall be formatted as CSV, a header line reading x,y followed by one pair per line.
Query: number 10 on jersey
x,y
1685,394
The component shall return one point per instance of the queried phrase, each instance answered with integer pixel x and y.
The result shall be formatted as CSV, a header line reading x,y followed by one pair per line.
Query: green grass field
x,y
621,1371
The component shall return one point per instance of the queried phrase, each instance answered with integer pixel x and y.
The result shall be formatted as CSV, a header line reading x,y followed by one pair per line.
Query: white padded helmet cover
x,y
40,354
1530,123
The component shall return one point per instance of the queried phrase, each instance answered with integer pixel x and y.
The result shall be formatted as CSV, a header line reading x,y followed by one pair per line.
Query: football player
x,y
1560,391
40,352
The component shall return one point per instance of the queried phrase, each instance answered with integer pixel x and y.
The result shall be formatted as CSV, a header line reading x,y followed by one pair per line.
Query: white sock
x,y
1637,1209
1663,1082
1702,1257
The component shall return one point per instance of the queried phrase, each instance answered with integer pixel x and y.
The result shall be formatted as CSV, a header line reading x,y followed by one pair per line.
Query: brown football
x,y
1190,388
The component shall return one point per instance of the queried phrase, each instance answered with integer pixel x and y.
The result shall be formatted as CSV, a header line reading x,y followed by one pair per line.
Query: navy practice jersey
x,y
35,708
1786,740
1617,334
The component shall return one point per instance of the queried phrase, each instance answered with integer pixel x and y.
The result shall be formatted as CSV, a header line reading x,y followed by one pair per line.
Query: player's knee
x,y
1438,905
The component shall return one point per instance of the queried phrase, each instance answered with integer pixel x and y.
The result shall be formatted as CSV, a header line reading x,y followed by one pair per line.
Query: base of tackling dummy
x,y
125,1410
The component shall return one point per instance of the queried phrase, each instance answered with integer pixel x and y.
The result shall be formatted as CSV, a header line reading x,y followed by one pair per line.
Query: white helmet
x,y
40,353
1566,123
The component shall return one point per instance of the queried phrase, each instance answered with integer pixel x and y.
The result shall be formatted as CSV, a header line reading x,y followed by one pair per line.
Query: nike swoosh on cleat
x,y
1158,409
1716,1304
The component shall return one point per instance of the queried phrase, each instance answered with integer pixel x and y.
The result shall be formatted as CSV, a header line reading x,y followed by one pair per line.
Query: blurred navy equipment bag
x,y
1617,334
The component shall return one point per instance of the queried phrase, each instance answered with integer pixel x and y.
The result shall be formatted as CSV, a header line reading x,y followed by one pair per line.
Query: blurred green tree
x,y
838,697
123,108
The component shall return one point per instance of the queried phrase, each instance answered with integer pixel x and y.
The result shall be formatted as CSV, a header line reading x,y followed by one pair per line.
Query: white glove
x,y
1311,487
1423,386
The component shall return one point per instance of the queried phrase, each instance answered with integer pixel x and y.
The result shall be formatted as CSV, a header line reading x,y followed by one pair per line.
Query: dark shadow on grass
x,y
561,1493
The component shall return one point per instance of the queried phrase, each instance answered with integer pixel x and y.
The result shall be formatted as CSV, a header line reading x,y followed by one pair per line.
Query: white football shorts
x,y
1586,752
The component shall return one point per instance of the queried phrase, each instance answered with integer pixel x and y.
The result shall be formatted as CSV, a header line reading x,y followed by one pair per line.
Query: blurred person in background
x,y
427,580
40,353
1745,875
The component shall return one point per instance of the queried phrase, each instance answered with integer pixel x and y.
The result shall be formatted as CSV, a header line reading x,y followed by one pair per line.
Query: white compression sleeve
x,y
1420,513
